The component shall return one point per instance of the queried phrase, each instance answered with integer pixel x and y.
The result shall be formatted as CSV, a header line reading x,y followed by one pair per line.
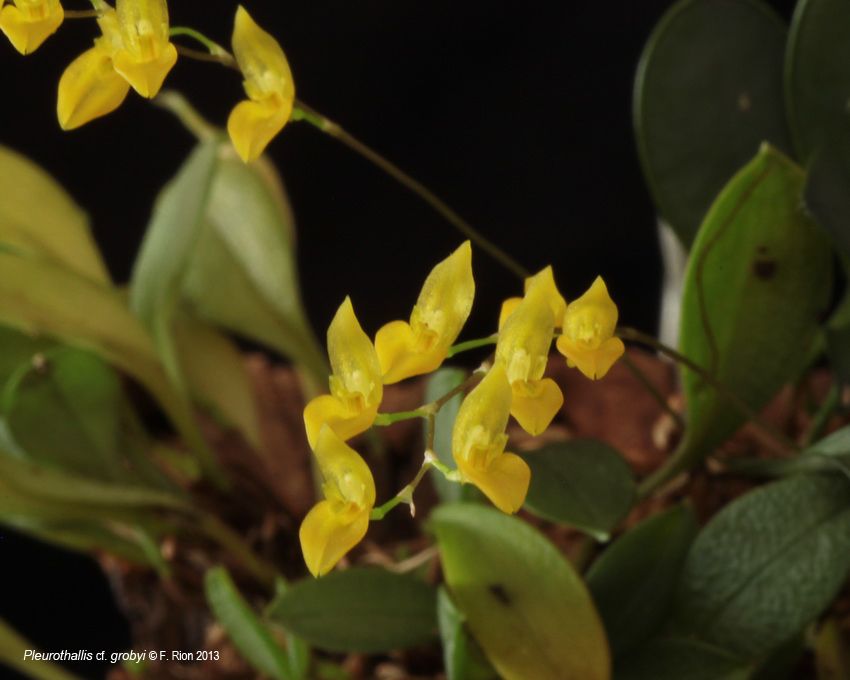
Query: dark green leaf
x,y
361,609
817,74
708,92
767,564
581,482
633,582
462,658
757,282
523,602
247,632
671,659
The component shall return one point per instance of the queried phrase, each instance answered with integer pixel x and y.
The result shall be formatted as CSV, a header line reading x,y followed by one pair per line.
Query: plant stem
x,y
176,103
823,414
742,407
81,14
384,419
472,344
329,127
214,49
653,391
227,538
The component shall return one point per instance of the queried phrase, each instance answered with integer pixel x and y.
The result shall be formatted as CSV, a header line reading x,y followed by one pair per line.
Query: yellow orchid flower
x,y
338,523
523,349
420,346
268,83
546,279
28,23
588,341
91,87
479,439
145,55
355,383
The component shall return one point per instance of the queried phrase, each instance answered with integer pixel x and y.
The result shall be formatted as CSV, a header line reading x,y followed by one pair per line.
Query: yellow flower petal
x,y
28,23
89,88
354,362
337,524
261,60
345,421
524,340
535,403
482,418
505,482
326,536
268,84
545,279
508,308
594,363
146,55
356,388
588,339
252,125
440,312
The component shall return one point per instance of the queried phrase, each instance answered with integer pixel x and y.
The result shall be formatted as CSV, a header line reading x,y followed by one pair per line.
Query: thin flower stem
x,y
783,442
176,103
472,344
653,391
81,14
214,49
385,419
329,127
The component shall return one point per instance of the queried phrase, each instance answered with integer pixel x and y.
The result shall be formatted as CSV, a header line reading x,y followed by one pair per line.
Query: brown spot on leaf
x,y
764,269
498,591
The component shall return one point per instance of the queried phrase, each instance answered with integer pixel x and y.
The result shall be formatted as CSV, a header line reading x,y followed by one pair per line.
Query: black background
x,y
518,114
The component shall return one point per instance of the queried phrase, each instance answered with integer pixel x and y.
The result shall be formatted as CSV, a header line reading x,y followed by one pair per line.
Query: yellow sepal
x,y
588,339
253,124
89,88
29,23
525,338
535,403
145,55
440,312
268,83
508,307
545,281
328,410
338,523
505,481
326,536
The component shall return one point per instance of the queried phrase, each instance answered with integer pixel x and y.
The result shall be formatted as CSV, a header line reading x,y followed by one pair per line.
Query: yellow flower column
x,y
339,522
28,23
356,388
479,439
91,87
588,341
268,84
420,346
146,54
523,350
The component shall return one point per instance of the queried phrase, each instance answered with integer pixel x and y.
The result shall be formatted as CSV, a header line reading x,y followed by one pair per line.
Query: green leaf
x,y
672,659
171,236
79,397
442,382
817,74
633,581
523,602
581,482
462,657
18,348
216,377
247,632
39,298
12,649
757,282
708,91
832,652
37,215
243,274
359,610
767,564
